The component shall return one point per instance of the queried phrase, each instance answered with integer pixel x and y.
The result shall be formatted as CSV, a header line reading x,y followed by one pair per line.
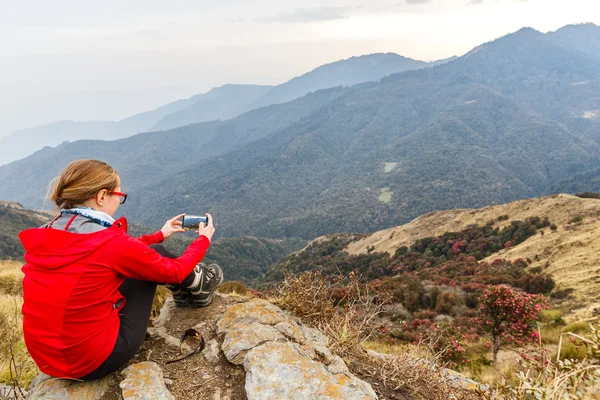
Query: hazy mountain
x,y
24,142
584,37
153,156
341,73
222,103
505,121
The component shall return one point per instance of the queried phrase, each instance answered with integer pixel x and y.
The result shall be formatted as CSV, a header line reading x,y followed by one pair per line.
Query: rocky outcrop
x,y
270,354
283,371
144,381
46,387
284,359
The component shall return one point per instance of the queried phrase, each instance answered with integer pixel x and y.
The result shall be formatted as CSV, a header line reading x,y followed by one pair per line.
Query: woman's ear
x,y
101,197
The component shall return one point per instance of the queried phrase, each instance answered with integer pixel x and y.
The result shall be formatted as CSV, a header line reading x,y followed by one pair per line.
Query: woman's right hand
x,y
208,229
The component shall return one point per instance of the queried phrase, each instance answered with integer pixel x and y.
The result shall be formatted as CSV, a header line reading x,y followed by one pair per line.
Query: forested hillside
x,y
243,259
511,119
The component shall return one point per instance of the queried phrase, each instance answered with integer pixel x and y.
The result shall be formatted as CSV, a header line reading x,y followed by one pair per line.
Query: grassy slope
x,y
571,254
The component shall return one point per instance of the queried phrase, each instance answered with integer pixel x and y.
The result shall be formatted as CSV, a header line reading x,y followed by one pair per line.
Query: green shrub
x,y
576,219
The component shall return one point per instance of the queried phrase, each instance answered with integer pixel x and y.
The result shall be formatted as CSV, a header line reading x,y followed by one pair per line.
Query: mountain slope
x,y
222,103
316,178
570,254
153,156
461,134
341,73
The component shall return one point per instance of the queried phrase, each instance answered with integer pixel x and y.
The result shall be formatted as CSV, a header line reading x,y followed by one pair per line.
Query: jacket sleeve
x,y
155,238
132,258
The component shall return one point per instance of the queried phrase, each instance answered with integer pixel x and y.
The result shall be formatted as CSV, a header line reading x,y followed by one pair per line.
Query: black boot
x,y
203,290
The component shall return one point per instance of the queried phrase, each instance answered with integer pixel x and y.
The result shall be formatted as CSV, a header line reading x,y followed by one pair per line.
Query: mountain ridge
x,y
219,103
465,133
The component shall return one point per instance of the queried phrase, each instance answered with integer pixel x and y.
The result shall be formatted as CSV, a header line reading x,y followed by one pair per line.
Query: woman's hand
x,y
171,226
208,229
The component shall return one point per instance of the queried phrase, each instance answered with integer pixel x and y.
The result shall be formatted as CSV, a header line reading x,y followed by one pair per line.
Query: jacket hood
x,y
53,248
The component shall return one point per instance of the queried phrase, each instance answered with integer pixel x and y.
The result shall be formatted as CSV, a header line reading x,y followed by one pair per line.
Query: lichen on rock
x,y
144,381
280,371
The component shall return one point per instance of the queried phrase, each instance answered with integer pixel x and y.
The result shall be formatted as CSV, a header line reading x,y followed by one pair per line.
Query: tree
x,y
509,316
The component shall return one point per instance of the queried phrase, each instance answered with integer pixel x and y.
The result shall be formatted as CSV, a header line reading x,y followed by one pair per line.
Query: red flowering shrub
x,y
509,316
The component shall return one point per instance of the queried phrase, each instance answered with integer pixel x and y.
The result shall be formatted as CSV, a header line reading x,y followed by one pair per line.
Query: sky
x,y
106,60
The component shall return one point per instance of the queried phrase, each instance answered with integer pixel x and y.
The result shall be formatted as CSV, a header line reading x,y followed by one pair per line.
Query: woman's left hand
x,y
171,226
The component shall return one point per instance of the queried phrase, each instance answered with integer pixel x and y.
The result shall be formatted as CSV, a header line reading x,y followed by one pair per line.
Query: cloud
x,y
316,14
418,1
474,2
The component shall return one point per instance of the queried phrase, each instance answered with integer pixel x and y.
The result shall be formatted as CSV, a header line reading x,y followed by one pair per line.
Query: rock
x,y
211,352
260,311
244,337
314,335
144,381
291,330
323,353
8,392
168,381
279,371
337,366
39,379
48,388
459,381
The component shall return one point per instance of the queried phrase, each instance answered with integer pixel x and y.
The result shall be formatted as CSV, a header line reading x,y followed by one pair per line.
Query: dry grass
x,y
233,287
162,294
11,277
16,367
404,372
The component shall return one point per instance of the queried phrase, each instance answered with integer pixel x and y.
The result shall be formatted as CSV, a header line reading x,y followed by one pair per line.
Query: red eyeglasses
x,y
122,195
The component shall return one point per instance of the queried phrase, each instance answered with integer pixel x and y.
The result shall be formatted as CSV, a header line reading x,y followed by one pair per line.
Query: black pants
x,y
135,316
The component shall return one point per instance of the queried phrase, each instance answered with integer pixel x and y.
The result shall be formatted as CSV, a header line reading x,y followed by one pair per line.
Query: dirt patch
x,y
195,377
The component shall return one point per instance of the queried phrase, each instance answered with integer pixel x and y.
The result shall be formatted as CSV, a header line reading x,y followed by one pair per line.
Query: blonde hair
x,y
82,180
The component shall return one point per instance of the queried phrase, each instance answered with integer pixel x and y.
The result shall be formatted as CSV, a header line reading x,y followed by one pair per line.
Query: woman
x,y
88,286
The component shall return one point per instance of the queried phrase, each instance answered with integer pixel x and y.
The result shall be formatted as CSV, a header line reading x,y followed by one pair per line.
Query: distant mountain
x,y
583,37
348,72
24,142
220,103
506,121
154,156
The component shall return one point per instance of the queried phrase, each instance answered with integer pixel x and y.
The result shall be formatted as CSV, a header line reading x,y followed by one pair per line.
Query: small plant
x,y
588,195
556,378
576,219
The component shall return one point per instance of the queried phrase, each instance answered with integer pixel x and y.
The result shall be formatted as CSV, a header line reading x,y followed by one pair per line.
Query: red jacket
x,y
71,284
